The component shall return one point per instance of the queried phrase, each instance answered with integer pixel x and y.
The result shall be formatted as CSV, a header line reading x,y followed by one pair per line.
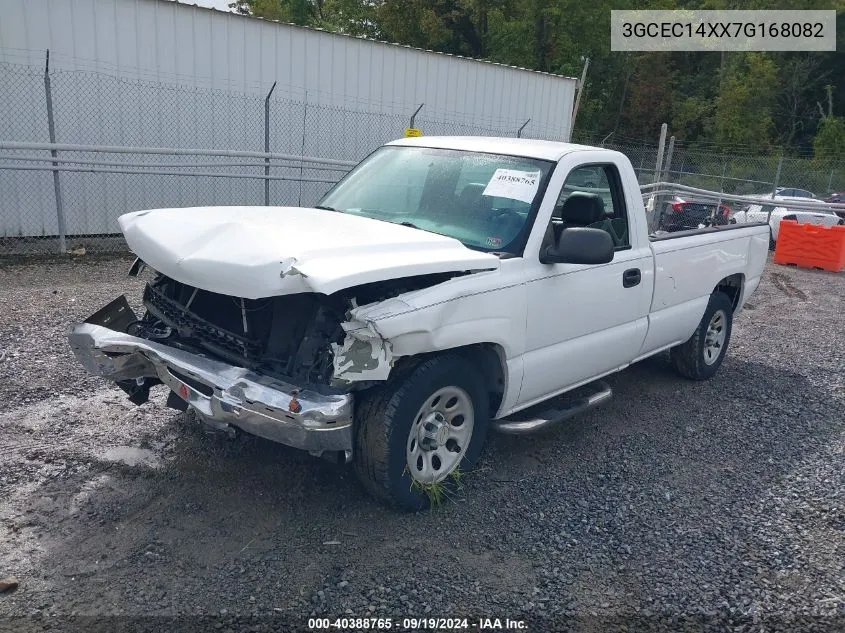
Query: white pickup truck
x,y
444,287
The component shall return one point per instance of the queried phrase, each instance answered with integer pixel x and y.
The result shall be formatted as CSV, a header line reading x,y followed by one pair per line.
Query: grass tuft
x,y
437,492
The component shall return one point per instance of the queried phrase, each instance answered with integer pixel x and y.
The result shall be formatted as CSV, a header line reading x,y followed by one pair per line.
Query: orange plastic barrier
x,y
811,245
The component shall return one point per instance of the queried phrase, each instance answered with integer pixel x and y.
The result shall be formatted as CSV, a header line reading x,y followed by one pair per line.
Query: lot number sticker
x,y
513,184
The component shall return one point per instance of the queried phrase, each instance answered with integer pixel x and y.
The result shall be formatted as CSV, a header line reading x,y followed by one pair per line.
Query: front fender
x,y
455,314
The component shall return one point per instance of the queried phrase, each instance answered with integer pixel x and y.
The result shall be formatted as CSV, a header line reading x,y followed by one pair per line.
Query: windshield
x,y
484,200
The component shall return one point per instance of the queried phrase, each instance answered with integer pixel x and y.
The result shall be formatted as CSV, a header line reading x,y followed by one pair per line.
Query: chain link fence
x,y
740,172
127,145
737,173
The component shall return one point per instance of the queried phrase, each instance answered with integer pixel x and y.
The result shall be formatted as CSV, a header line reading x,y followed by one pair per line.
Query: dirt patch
x,y
784,284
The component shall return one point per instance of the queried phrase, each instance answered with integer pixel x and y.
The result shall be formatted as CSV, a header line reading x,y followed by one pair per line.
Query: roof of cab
x,y
529,148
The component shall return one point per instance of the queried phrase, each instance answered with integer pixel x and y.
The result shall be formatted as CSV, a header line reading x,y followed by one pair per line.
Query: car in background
x,y
685,214
793,193
837,198
823,216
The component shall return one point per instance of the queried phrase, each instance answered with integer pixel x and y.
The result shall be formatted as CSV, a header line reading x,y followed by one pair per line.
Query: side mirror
x,y
580,245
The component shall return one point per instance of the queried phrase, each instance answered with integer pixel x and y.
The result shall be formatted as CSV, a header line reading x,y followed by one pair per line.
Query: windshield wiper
x,y
325,208
414,226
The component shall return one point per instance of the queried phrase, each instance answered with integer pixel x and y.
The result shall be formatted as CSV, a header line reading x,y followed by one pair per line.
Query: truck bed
x,y
688,267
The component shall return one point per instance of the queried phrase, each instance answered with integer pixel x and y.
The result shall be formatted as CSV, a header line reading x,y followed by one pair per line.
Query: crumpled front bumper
x,y
222,394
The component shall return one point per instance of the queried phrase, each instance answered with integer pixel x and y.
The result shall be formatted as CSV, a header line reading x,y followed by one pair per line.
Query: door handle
x,y
631,277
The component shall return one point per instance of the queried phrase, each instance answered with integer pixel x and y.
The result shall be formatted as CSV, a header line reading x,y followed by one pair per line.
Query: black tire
x,y
689,359
772,242
384,417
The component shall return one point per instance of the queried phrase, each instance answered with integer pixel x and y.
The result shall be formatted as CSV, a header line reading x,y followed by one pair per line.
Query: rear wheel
x,y
700,357
417,434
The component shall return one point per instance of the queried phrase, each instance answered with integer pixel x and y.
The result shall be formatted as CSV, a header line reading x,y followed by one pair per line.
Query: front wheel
x,y
699,357
418,433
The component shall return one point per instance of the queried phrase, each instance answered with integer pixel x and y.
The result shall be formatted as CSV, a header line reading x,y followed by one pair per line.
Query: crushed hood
x,y
256,252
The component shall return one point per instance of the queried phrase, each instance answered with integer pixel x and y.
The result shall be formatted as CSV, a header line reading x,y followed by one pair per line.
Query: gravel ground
x,y
677,506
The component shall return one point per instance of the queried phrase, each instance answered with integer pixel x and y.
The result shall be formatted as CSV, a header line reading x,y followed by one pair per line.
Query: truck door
x,y
585,321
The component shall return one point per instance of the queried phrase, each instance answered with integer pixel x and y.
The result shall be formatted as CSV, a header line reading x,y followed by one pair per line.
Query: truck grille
x,y
189,325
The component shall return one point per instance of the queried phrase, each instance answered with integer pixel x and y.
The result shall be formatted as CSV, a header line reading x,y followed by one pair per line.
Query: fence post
x,y
414,116
775,187
777,175
661,145
267,146
581,84
668,166
658,209
302,149
830,182
57,188
721,185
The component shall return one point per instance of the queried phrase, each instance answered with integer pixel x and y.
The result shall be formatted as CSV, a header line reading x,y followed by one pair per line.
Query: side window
x,y
599,203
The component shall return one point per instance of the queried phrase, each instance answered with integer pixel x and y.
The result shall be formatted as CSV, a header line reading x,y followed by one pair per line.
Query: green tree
x,y
295,11
749,99
459,27
745,101
353,17
649,100
829,142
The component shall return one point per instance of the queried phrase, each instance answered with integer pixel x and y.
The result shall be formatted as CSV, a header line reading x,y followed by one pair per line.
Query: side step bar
x,y
551,412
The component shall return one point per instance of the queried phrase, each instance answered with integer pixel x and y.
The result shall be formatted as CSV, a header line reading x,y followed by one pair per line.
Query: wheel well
x,y
488,357
732,286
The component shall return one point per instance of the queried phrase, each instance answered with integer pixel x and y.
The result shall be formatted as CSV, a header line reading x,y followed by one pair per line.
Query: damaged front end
x,y
305,338
283,368
224,395
288,337
262,367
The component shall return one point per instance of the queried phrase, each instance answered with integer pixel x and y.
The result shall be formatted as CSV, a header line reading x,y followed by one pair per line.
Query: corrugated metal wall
x,y
160,40
161,73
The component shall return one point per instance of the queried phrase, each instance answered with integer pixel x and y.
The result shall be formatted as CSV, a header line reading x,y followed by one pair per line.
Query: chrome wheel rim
x,y
714,339
440,435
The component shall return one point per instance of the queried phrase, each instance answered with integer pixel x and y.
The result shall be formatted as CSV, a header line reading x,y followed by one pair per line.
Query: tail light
x,y
677,207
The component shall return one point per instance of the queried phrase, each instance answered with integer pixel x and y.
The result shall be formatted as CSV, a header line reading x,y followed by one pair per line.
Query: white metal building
x,y
167,74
